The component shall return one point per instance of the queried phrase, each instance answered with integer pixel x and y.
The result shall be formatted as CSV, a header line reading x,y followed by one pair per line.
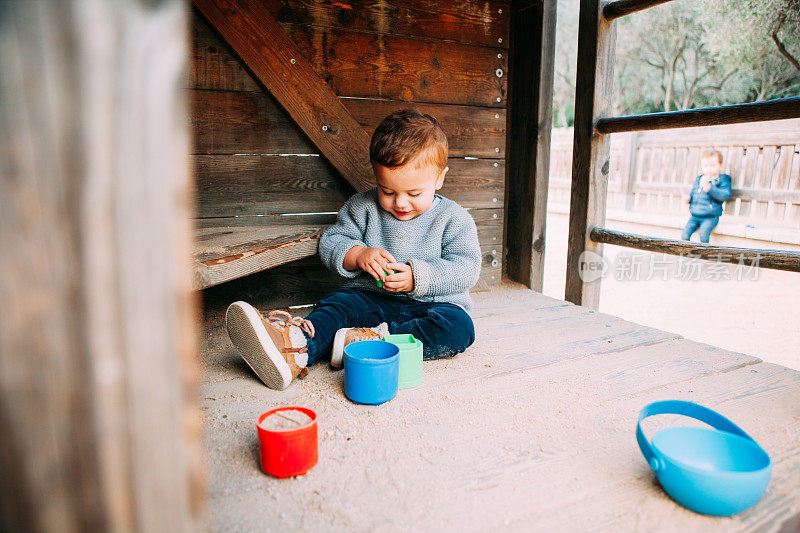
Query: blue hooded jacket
x,y
709,204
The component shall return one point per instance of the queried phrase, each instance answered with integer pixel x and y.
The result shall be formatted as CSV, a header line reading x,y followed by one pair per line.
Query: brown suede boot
x,y
274,347
345,336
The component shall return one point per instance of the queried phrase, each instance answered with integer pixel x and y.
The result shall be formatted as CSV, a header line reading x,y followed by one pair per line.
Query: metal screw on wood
x,y
495,164
498,98
494,200
324,128
497,115
498,73
293,61
499,39
494,252
499,56
497,150
495,262
494,216
499,11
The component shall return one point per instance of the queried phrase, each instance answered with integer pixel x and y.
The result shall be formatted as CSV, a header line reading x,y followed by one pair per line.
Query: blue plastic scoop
x,y
718,472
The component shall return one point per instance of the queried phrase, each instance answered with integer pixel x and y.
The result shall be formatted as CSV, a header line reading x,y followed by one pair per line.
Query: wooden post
x,y
97,353
530,119
590,158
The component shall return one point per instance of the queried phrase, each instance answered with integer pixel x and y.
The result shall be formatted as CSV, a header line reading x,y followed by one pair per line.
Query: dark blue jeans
x,y
706,224
444,329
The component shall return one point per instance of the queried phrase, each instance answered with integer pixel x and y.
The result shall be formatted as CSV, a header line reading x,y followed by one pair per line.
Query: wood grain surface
x,y
782,108
272,57
477,22
763,258
545,402
530,122
385,66
230,248
591,152
98,362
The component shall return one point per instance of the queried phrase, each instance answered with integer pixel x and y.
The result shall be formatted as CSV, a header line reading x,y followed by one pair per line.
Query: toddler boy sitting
x,y
421,246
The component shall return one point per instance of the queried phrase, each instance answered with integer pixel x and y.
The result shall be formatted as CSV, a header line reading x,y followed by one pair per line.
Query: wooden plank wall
x,y
444,58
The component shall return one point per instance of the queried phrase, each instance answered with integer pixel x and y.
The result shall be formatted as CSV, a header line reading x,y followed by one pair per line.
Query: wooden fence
x,y
650,171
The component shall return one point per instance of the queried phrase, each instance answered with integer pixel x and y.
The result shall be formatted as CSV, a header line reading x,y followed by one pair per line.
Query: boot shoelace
x,y
363,334
284,320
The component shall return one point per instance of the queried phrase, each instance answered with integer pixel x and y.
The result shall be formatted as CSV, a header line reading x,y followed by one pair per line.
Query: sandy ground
x,y
523,431
530,430
748,311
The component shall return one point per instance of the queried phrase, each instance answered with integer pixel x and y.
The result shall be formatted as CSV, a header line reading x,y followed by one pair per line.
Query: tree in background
x,y
688,54
565,63
760,37
664,61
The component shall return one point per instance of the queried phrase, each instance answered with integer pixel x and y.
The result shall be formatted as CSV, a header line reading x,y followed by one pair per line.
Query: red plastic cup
x,y
288,452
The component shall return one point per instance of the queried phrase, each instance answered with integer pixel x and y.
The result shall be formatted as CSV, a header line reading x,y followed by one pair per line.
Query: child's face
x,y
710,167
407,191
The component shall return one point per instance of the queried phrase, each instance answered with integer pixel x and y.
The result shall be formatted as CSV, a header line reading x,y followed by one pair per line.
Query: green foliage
x,y
740,34
565,62
687,54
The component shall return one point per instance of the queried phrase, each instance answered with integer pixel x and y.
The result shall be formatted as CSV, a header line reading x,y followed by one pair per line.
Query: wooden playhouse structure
x,y
157,155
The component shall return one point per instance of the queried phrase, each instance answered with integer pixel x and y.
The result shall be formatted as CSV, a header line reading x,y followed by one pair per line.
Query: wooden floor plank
x,y
762,399
510,294
547,443
547,335
563,441
521,309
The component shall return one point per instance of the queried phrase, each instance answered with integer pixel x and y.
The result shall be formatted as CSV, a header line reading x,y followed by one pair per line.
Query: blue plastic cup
x,y
371,371
717,472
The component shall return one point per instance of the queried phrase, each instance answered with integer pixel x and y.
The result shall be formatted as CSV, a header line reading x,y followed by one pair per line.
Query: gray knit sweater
x,y
440,245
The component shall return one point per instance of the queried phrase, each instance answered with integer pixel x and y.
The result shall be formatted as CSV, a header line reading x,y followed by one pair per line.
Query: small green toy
x,y
379,282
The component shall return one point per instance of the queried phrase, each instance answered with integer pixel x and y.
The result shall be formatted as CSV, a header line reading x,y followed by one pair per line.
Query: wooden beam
x,y
277,63
590,156
257,249
99,416
779,109
620,8
764,258
530,120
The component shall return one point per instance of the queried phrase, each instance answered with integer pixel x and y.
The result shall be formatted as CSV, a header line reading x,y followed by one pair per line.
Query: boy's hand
x,y
373,261
400,281
706,184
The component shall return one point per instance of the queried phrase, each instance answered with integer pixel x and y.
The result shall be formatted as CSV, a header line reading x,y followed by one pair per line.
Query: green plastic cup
x,y
410,359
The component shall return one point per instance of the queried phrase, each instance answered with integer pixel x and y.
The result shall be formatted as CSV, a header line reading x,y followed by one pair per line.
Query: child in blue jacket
x,y
710,190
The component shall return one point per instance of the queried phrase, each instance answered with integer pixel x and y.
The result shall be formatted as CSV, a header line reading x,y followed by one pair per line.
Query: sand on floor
x,y
753,312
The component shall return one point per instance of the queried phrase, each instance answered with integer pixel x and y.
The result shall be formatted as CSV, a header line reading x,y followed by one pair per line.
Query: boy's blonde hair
x,y
409,135
709,153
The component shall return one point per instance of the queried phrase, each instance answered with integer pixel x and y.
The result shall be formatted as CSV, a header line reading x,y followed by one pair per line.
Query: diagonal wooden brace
x,y
260,42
